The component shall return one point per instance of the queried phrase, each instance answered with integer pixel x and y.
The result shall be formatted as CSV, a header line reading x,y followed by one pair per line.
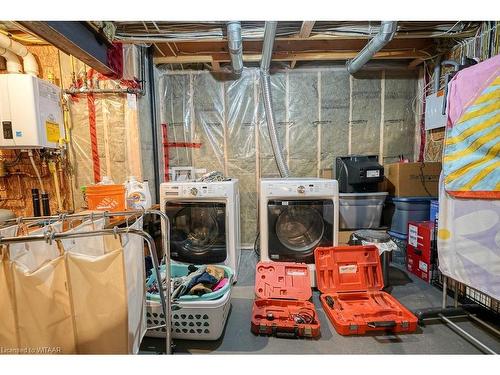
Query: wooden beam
x,y
184,59
303,45
305,32
283,56
415,63
215,66
305,29
76,39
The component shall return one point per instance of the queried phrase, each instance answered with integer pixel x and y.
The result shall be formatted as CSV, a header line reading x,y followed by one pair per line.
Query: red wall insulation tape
x,y
93,138
166,149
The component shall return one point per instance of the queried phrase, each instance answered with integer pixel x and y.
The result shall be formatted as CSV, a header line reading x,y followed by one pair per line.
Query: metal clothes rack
x,y
165,233
445,312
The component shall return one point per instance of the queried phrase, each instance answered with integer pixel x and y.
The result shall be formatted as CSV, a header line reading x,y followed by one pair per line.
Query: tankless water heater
x,y
30,112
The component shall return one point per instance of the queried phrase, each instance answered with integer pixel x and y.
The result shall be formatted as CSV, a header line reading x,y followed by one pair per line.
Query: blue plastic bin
x,y
408,209
434,210
178,270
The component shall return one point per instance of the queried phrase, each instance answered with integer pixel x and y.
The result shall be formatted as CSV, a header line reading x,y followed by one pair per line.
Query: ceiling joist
x,y
305,29
283,56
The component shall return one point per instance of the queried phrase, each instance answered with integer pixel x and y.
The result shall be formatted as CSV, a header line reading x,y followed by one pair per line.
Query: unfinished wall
x,y
485,44
20,178
117,125
118,139
320,114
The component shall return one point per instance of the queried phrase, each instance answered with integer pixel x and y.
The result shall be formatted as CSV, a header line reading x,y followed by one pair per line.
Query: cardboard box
x,y
411,179
344,236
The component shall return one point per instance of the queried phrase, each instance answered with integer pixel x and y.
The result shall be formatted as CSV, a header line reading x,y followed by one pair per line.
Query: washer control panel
x,y
300,188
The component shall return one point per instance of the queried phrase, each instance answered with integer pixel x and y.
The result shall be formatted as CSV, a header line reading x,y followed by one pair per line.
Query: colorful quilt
x,y
471,157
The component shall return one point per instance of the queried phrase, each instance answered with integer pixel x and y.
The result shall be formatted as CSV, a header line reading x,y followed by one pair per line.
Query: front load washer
x,y
204,222
297,215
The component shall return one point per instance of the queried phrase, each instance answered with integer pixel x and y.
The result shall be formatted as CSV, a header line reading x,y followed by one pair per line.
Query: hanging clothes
x,y
471,156
468,242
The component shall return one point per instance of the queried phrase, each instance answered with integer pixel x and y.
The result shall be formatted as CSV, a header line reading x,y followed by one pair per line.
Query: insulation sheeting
x,y
320,113
399,112
117,113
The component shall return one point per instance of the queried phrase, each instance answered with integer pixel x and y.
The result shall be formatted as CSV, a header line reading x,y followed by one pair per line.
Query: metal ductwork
x,y
437,74
386,33
235,45
265,80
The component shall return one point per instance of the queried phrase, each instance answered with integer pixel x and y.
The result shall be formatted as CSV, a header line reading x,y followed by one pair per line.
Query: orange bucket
x,y
106,197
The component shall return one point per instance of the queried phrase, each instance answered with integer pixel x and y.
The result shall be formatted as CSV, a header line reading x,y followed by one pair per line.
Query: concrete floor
x,y
434,338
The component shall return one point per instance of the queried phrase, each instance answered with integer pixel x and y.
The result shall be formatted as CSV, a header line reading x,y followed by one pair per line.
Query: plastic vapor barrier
x,y
320,113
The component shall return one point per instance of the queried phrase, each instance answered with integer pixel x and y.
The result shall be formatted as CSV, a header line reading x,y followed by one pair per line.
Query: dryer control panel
x,y
195,190
300,188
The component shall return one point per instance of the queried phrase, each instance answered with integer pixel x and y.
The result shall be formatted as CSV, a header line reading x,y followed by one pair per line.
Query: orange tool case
x,y
282,307
350,280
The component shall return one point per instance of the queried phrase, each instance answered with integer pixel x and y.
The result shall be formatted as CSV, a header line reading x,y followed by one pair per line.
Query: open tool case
x,y
283,306
350,280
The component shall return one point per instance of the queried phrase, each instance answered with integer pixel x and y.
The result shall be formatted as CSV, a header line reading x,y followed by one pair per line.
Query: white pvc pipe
x,y
13,65
29,62
37,172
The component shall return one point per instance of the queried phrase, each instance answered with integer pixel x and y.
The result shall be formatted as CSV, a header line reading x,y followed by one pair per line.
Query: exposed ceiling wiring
x,y
255,29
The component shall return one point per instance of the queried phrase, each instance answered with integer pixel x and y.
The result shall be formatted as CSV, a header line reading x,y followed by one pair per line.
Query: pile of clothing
x,y
199,281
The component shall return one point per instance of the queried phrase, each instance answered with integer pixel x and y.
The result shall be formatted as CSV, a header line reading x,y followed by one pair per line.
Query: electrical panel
x,y
434,117
31,114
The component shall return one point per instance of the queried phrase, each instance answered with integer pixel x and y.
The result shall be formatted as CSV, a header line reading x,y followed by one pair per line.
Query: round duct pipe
x,y
386,33
235,45
265,79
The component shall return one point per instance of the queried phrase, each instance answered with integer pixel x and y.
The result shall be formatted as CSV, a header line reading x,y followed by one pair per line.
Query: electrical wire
x,y
255,30
256,247
481,46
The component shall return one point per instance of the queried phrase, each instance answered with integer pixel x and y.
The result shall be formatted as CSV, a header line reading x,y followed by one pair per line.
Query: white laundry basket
x,y
191,320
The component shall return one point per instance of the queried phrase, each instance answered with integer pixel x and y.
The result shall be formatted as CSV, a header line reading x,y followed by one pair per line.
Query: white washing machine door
x,y
297,227
300,228
198,232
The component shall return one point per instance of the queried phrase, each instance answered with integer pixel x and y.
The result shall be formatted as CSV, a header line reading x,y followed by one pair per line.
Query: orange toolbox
x,y
282,307
350,280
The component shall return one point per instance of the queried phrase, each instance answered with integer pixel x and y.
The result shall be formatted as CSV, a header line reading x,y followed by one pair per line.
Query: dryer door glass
x,y
198,232
296,228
